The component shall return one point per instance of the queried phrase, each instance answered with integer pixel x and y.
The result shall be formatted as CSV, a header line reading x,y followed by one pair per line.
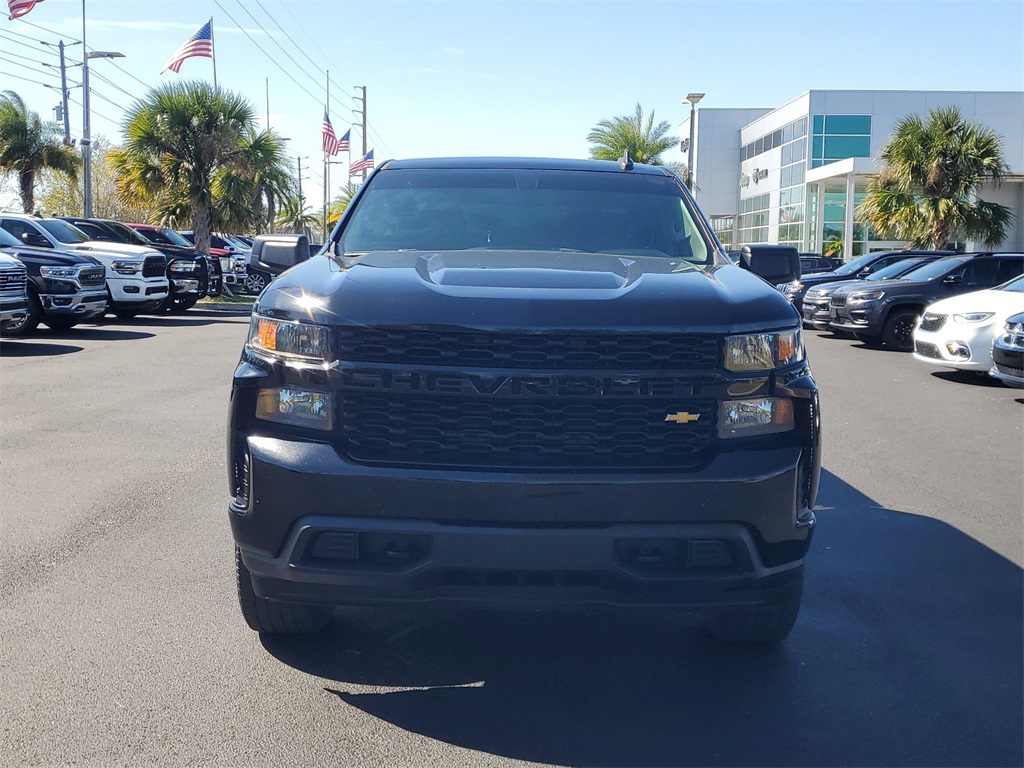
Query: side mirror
x,y
276,253
776,264
35,240
953,280
865,272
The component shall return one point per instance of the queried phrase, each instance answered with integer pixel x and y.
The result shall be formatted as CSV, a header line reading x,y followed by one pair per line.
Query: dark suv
x,y
524,383
187,269
887,311
857,269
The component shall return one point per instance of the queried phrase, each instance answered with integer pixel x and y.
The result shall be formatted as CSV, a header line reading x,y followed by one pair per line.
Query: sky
x,y
522,78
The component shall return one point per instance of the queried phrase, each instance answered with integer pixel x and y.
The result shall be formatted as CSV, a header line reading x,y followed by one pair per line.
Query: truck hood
x,y
114,250
526,290
51,256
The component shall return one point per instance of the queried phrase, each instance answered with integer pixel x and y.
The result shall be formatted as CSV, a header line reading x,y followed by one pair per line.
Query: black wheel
x,y
871,341
61,322
899,329
759,624
27,324
273,617
255,282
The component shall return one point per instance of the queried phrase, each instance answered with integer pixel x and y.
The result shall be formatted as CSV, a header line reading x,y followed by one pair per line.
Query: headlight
x,y
127,267
793,287
298,407
820,293
284,338
749,418
863,297
71,272
181,265
972,317
763,351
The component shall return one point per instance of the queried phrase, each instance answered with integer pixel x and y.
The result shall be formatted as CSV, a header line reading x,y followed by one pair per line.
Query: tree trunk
x,y
27,184
271,213
202,221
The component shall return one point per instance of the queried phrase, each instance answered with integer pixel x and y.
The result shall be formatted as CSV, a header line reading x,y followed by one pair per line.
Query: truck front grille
x,y
90,277
541,433
154,266
13,281
563,350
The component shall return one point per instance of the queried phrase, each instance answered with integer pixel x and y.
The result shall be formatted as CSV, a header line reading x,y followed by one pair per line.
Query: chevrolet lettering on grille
x,y
519,386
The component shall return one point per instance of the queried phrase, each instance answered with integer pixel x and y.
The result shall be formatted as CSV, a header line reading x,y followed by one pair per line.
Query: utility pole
x,y
327,181
363,113
86,129
302,204
64,96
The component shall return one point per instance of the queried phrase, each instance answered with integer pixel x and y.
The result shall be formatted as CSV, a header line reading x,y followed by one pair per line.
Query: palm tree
x,y
645,142
341,202
295,217
187,139
28,145
927,192
267,165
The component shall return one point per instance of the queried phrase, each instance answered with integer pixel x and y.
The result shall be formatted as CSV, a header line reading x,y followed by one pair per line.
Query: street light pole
x,y
86,118
693,98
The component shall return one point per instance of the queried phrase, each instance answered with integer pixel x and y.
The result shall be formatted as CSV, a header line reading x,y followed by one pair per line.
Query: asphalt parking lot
x,y
121,642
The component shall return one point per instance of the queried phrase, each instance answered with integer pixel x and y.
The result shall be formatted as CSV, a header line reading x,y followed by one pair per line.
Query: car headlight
x,y
181,265
288,339
127,267
864,297
793,287
972,317
71,272
763,351
749,418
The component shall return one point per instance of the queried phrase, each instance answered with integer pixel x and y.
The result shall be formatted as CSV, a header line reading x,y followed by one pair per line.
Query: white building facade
x,y
795,174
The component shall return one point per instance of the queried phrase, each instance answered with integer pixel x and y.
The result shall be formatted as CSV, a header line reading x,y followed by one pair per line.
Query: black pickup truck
x,y
188,271
524,383
65,288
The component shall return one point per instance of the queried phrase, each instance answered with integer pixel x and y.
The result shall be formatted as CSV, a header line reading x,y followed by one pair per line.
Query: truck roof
x,y
521,163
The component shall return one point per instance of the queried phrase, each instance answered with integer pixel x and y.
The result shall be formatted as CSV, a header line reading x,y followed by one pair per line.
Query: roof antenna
x,y
624,162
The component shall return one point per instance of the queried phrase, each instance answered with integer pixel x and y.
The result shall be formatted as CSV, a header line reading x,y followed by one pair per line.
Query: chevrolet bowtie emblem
x,y
682,417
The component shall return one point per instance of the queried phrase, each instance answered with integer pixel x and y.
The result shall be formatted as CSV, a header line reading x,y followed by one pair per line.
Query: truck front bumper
x,y
319,529
13,309
84,304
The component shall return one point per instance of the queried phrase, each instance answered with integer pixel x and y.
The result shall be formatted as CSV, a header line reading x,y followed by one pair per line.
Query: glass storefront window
x,y
841,147
857,125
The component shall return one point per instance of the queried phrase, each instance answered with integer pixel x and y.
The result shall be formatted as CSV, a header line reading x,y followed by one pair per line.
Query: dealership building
x,y
795,174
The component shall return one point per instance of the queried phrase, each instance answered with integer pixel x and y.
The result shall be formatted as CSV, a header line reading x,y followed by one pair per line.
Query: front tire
x,y
125,314
899,329
255,282
273,617
759,624
27,324
181,305
61,323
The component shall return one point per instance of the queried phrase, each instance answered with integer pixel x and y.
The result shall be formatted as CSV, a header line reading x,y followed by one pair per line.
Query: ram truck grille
x,y
13,281
154,266
92,276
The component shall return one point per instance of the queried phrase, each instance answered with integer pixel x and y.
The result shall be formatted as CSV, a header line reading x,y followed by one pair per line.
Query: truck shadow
x,y
969,378
20,348
908,651
92,333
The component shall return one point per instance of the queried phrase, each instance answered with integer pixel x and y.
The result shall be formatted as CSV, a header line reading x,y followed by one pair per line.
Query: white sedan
x,y
958,332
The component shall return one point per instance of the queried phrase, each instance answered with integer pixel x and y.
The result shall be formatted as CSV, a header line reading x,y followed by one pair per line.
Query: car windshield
x,y
7,239
534,210
128,234
64,232
1015,286
852,267
934,269
897,269
236,242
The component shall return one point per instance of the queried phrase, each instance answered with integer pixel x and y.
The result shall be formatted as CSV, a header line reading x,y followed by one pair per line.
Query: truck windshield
x,y
7,240
64,232
532,210
128,235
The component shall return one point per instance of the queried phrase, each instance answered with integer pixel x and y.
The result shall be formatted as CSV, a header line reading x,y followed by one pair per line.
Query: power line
x,y
37,82
30,69
35,48
34,61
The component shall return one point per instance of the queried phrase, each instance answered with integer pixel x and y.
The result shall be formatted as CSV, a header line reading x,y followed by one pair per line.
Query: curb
x,y
227,308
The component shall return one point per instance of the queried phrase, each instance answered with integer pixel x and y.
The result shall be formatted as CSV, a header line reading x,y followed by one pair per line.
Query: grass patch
x,y
238,298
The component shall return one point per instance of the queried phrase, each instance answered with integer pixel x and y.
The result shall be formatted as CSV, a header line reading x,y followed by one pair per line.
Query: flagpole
x,y
327,167
213,55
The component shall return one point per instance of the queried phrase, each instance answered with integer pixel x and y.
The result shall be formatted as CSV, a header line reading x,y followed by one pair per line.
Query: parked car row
x,y
77,269
950,309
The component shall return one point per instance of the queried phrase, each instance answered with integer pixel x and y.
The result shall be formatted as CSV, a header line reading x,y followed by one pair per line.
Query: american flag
x,y
343,145
329,144
20,7
200,44
363,164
